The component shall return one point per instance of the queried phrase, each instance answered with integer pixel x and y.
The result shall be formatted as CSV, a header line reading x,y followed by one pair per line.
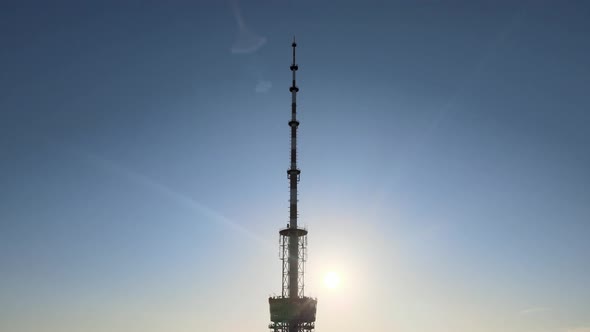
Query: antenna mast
x,y
293,175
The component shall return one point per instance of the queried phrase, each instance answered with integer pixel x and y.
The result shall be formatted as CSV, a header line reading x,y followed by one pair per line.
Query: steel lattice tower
x,y
293,311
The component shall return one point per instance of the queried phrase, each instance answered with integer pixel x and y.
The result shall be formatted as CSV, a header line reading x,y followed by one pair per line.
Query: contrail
x,y
179,198
183,200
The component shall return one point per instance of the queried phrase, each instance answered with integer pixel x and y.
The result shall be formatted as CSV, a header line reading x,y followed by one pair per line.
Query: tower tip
x,y
294,43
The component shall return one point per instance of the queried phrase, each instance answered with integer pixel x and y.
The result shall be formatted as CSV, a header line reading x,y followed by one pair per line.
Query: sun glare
x,y
332,279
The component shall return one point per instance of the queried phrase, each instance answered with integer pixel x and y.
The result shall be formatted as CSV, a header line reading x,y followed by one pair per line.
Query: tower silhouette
x,y
292,311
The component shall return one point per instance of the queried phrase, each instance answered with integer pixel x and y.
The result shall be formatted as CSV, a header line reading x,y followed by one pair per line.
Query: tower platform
x,y
299,309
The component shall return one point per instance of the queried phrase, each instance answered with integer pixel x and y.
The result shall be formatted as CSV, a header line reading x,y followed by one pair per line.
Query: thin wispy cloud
x,y
263,86
534,310
247,41
580,329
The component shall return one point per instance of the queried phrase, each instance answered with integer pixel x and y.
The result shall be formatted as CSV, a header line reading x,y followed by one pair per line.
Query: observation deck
x,y
298,232
299,310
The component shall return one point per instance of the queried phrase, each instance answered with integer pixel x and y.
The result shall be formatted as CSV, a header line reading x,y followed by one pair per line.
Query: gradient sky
x,y
444,149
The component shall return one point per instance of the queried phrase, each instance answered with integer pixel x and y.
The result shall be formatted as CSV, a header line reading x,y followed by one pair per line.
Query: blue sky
x,y
443,148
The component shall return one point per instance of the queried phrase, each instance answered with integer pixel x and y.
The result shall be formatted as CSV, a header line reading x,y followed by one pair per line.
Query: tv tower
x,y
293,311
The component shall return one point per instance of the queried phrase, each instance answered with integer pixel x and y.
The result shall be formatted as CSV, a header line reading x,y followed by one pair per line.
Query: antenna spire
x,y
293,172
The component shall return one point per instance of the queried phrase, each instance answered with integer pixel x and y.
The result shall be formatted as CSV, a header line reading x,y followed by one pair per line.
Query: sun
x,y
332,279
